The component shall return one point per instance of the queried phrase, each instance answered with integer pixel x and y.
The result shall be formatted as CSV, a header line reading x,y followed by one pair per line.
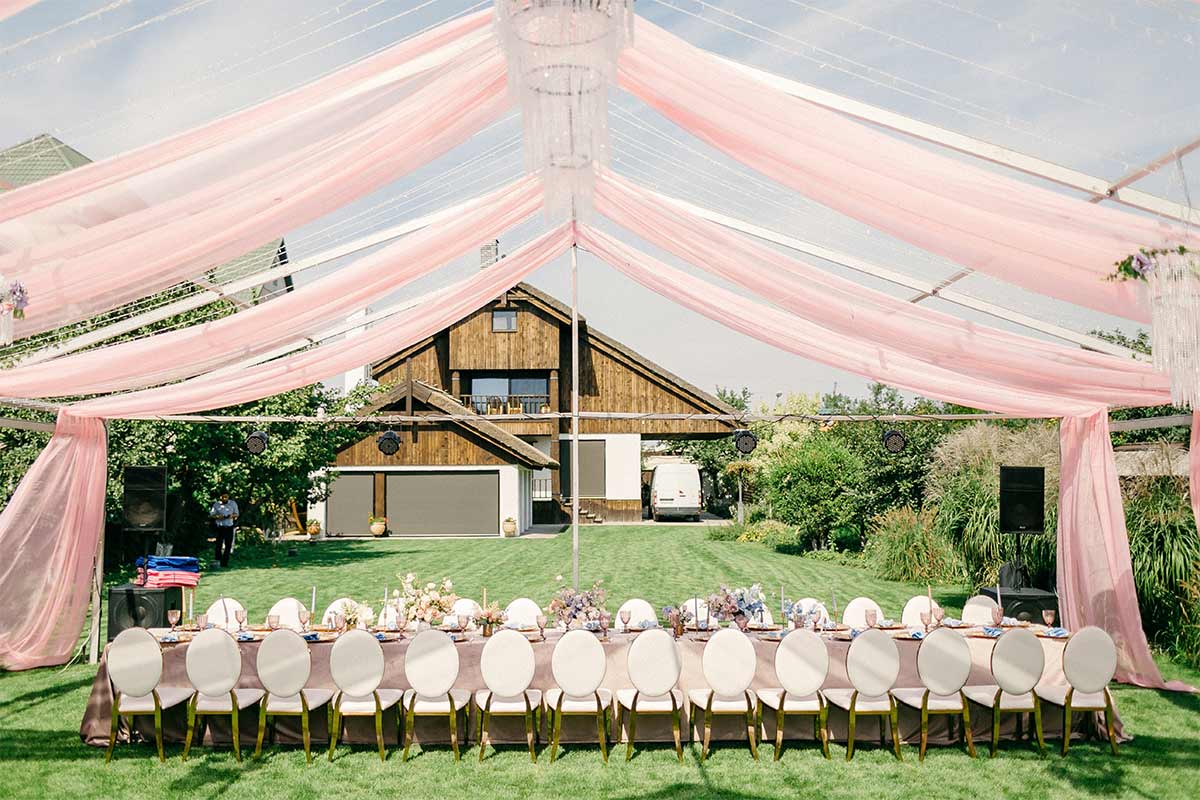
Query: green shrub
x,y
723,533
814,486
904,545
772,533
844,557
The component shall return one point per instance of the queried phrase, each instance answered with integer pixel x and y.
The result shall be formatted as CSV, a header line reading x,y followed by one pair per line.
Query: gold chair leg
x,y
751,733
995,727
408,729
707,730
924,731
850,733
1066,731
191,723
780,716
262,727
116,723
379,734
823,721
307,735
453,729
632,731
484,715
557,714
966,714
675,726
602,730
1037,723
1108,722
529,734
335,727
237,739
894,730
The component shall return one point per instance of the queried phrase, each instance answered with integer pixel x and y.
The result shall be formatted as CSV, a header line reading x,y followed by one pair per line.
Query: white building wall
x,y
622,463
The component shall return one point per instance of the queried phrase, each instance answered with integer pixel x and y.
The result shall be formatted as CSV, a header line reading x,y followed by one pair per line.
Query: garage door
x,y
351,501
443,503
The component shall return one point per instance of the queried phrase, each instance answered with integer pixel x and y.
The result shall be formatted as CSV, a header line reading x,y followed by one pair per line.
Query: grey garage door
x,y
351,501
443,503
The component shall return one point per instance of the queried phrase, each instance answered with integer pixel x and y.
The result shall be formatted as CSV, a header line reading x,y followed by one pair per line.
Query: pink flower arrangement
x,y
569,605
430,603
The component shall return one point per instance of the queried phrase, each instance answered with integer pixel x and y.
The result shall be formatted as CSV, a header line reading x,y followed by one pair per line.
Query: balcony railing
x,y
507,403
543,489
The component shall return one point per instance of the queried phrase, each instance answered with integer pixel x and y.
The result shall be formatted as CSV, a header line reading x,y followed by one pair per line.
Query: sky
x,y
1101,86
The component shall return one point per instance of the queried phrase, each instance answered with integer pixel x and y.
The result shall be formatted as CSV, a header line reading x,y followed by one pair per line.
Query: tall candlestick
x,y
312,608
485,597
929,589
998,600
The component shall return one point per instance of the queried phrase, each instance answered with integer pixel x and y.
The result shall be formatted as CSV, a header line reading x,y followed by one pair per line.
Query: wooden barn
x,y
467,476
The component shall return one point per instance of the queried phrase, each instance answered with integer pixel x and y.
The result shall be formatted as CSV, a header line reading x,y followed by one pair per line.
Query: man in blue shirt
x,y
224,513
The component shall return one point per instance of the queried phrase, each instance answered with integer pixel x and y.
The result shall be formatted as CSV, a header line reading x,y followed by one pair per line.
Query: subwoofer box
x,y
131,606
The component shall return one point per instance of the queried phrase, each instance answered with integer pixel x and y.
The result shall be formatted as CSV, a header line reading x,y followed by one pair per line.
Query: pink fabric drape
x,y
79,274
278,117
198,349
1034,237
49,533
11,7
851,309
1095,573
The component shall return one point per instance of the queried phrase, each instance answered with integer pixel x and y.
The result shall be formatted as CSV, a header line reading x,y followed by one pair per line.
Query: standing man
x,y
223,513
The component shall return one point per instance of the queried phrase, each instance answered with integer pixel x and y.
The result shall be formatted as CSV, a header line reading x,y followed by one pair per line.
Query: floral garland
x,y
569,605
430,603
13,301
1138,266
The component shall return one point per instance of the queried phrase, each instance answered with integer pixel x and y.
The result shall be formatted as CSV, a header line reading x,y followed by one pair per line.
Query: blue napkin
x,y
647,624
854,632
380,636
917,635
245,636
950,622
1057,633
312,636
168,638
1010,621
992,632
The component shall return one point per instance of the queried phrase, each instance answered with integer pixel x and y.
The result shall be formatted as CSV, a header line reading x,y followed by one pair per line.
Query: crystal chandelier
x,y
1173,293
562,56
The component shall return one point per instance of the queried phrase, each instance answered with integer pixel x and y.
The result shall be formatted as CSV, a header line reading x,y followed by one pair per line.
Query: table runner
x,y
95,727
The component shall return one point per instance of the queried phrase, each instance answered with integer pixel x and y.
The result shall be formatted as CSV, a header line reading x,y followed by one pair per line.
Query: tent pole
x,y
575,416
97,585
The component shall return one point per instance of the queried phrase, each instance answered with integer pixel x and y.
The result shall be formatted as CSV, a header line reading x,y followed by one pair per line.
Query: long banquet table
x,y
95,727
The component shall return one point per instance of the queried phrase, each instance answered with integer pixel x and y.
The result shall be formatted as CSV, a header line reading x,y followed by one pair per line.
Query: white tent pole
x,y
978,148
575,416
97,586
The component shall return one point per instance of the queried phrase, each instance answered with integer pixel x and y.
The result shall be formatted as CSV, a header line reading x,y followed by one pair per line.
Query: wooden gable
x,y
534,345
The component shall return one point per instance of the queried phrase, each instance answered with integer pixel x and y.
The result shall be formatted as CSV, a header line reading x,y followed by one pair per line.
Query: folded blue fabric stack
x,y
993,632
311,636
169,563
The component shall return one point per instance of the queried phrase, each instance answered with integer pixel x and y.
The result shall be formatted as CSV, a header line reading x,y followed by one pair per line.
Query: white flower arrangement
x,y
430,603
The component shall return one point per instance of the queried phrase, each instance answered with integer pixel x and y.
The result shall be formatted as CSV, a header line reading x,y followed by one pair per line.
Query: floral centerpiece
x,y
678,617
358,615
489,618
1171,277
740,605
429,603
13,301
574,608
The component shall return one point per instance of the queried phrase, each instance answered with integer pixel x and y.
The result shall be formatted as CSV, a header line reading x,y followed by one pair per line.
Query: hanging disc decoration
x,y
562,57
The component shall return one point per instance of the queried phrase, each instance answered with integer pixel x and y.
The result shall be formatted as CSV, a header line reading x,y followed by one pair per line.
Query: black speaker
x,y
1022,499
145,501
1026,604
131,606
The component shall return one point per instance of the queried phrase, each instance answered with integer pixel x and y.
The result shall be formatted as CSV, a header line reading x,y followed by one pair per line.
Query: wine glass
x,y
1048,617
402,621
939,614
997,615
339,622
240,616
463,622
925,618
173,617
541,623
272,621
201,621
872,617
625,616
604,620
305,615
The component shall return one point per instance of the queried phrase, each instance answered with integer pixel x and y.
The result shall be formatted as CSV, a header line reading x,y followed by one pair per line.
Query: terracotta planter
x,y
509,527
378,528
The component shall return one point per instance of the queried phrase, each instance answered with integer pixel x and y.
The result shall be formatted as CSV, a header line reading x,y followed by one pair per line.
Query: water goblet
x,y
272,621
925,618
201,621
541,623
604,620
872,617
240,616
339,622
305,615
463,622
1048,617
173,617
625,616
939,614
997,615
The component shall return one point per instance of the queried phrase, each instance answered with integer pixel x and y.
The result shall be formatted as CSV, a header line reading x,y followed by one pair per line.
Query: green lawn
x,y
40,710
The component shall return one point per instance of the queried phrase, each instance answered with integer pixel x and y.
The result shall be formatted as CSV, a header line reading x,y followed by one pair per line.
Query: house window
x,y
504,321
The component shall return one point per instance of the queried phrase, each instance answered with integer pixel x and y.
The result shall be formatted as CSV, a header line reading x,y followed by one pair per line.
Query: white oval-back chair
x,y
914,608
522,613
943,665
1018,662
978,610
135,666
872,664
641,615
223,613
464,607
1089,663
356,665
284,665
336,607
431,667
653,664
507,666
855,613
801,664
729,663
579,666
698,607
808,605
288,610
214,666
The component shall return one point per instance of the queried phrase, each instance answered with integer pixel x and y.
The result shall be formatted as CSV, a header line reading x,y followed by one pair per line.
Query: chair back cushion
x,y
507,663
944,662
855,613
335,608
523,612
914,608
431,663
801,662
1018,661
288,609
639,611
134,662
729,662
1089,659
222,613
213,662
356,663
284,663
978,610
578,663
873,663
654,662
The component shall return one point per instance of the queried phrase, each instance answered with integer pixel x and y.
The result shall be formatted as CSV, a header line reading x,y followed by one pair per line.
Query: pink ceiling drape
x,y
50,528
1034,237
217,217
11,7
1094,568
198,349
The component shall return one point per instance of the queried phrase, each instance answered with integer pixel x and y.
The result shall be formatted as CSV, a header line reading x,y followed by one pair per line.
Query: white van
x,y
675,491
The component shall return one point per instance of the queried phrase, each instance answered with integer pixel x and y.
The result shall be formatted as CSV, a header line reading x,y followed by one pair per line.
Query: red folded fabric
x,y
159,579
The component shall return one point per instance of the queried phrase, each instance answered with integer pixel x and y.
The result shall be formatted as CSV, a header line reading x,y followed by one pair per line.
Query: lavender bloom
x,y
1142,263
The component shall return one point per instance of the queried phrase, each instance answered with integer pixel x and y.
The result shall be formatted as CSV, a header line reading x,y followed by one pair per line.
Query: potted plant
x,y
510,527
314,527
378,525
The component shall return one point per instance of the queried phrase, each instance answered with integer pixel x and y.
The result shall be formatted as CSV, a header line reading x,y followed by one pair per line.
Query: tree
x,y
815,486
